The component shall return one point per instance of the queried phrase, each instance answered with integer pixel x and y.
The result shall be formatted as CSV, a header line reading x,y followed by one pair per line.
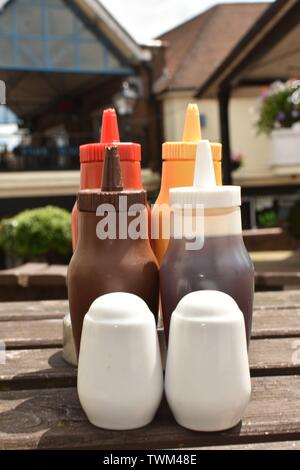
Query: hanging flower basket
x,y
279,117
285,146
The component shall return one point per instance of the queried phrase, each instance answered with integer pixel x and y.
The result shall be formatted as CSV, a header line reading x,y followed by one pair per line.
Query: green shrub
x,y
37,232
280,107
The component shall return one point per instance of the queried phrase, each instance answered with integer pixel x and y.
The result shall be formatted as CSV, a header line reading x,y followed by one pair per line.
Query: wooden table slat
x,y
53,418
262,300
32,334
39,407
287,445
47,332
271,323
28,368
34,274
35,310
277,300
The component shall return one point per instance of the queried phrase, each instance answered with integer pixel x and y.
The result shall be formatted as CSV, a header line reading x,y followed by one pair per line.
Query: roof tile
x,y
197,47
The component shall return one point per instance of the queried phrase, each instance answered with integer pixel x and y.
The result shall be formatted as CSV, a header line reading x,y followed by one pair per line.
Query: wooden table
x,y
39,281
34,281
276,269
39,407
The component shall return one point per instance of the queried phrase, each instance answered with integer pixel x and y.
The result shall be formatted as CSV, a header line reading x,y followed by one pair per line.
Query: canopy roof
x,y
269,51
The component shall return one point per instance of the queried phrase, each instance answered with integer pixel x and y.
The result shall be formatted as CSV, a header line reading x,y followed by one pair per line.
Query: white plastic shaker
x,y
207,380
120,380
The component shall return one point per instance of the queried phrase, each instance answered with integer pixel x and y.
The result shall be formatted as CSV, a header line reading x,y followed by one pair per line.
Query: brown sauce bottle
x,y
118,262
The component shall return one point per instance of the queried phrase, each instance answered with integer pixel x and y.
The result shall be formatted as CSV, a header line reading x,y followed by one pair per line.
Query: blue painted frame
x,y
45,65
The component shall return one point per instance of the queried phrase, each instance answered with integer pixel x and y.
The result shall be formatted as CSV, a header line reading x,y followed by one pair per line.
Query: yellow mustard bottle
x,y
178,170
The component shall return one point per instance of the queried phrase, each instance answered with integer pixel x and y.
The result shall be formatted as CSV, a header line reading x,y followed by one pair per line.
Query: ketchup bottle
x,y
92,157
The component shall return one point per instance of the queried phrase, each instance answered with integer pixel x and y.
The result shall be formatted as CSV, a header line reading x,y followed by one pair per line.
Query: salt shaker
x,y
120,380
207,380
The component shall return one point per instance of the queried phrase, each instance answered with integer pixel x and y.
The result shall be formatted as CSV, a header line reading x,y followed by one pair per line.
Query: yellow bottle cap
x,y
186,149
192,128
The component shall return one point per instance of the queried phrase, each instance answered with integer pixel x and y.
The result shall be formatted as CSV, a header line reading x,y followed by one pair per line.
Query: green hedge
x,y
37,232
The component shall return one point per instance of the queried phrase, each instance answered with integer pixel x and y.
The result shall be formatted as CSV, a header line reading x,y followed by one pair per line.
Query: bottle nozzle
x,y
192,128
111,175
204,174
109,130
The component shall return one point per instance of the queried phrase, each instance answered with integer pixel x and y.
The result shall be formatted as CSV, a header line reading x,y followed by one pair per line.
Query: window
x,y
29,20
45,34
6,21
30,52
6,51
91,55
60,22
62,54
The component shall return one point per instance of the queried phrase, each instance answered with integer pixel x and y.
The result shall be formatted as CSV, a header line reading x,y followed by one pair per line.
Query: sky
x,y
147,19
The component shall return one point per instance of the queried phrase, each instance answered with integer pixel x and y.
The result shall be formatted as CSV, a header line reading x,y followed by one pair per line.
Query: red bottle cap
x,y
128,151
111,187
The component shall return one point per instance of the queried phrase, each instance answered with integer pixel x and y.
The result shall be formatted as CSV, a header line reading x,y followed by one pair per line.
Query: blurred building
x,y
223,59
63,62
268,53
195,49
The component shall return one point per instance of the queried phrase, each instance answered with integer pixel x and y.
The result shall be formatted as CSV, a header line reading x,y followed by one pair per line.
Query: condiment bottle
x,y
111,255
178,170
92,157
207,379
209,252
120,380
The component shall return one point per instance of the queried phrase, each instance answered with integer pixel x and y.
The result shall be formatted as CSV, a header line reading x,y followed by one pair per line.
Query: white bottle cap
x,y
205,192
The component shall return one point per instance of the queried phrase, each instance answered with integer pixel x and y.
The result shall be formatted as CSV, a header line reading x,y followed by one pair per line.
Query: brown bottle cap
x,y
88,200
111,188
111,176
